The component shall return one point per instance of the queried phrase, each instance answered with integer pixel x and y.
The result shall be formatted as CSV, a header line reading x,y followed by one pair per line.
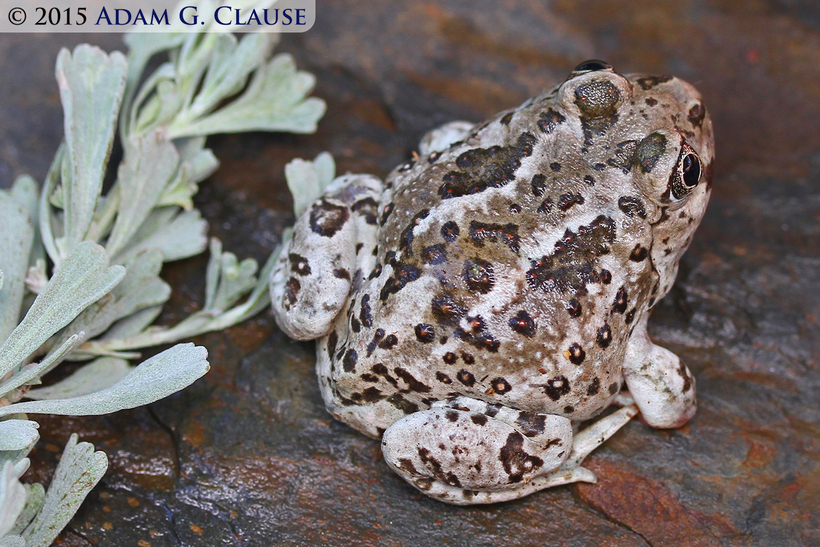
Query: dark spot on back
x,y
572,264
638,253
574,308
516,460
649,82
482,168
365,315
549,120
523,324
447,310
443,378
414,385
299,264
604,336
631,206
500,385
479,336
434,254
327,218
368,208
696,115
389,342
576,354
479,419
620,300
450,357
594,387
539,185
466,377
425,333
388,210
507,233
568,200
531,424
402,404
349,362
449,231
402,275
556,387
478,275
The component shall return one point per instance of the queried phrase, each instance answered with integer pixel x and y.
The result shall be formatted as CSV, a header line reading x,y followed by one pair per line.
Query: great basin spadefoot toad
x,y
493,292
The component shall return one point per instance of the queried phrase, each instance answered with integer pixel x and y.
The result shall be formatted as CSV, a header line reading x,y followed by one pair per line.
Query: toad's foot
x,y
466,452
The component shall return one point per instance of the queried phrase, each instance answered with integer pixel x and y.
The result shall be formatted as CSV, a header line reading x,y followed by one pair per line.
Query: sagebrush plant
x,y
79,270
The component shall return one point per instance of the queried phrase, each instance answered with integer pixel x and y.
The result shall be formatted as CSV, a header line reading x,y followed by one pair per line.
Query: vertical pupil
x,y
691,170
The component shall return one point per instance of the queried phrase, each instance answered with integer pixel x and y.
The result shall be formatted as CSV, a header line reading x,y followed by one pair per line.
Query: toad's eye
x,y
686,174
690,166
592,65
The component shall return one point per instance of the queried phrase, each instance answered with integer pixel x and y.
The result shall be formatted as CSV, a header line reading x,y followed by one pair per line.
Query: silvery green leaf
x,y
160,108
230,65
175,234
12,495
16,237
227,280
79,470
17,435
133,324
97,375
35,494
166,373
33,371
141,47
47,221
275,100
26,191
212,273
140,288
91,86
12,541
149,163
308,179
196,164
83,278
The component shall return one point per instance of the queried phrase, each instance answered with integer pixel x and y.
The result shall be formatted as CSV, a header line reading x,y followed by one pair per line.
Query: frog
x,y
490,297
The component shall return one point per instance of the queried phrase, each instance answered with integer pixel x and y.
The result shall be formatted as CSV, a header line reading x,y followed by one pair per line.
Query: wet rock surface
x,y
248,456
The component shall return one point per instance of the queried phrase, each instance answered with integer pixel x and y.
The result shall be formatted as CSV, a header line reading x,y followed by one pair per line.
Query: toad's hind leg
x,y
332,246
465,451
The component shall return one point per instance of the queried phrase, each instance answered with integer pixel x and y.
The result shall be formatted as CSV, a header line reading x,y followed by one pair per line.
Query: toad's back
x,y
510,268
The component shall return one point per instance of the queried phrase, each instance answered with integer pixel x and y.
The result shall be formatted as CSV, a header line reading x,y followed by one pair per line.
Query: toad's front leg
x,y
330,251
662,386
